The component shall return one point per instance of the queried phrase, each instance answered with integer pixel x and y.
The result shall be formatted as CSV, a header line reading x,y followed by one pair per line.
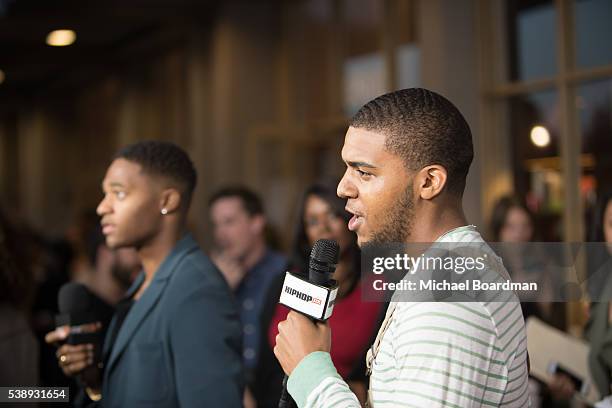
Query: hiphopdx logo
x,y
302,296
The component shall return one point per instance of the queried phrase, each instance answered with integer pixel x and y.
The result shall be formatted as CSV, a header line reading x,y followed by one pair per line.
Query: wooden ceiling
x,y
110,34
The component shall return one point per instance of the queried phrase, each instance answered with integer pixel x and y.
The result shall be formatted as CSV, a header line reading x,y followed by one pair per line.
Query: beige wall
x,y
209,94
203,95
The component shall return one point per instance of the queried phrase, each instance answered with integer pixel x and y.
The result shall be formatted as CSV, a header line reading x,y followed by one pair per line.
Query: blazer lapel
x,y
134,318
149,298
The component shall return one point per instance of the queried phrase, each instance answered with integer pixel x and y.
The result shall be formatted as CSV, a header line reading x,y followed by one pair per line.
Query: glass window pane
x,y
594,103
593,32
364,78
408,66
532,39
534,129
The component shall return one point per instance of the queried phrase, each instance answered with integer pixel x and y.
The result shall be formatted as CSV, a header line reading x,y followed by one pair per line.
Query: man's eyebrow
x,y
360,164
113,184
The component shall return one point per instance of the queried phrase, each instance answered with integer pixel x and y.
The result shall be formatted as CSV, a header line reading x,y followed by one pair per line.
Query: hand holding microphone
x,y
298,337
73,358
78,336
305,331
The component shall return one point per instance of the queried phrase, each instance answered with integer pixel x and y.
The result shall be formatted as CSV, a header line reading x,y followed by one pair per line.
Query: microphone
x,y
314,297
77,306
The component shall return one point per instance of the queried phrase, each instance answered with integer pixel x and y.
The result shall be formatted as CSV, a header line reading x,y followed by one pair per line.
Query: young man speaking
x,y
408,154
175,339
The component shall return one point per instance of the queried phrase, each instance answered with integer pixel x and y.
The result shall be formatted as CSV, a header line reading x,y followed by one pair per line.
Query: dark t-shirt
x,y
121,311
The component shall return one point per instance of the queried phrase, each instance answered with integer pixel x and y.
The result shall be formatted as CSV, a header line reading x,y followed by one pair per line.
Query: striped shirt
x,y
434,354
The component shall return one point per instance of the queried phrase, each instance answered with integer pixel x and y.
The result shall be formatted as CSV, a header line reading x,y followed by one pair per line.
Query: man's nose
x,y
103,208
346,189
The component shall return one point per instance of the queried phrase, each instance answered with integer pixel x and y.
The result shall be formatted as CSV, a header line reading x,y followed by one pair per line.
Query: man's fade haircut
x,y
165,159
423,128
250,200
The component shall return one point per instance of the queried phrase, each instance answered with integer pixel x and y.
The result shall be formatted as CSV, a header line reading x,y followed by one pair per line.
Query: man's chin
x,y
362,241
114,243
110,243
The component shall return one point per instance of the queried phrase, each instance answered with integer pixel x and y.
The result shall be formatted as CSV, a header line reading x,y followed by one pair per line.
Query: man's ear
x,y
258,223
431,180
170,200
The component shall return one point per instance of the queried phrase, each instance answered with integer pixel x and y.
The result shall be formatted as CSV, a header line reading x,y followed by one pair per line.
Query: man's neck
x,y
433,225
153,253
255,254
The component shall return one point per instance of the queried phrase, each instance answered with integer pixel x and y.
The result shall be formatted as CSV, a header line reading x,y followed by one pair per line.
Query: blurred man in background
x,y
244,258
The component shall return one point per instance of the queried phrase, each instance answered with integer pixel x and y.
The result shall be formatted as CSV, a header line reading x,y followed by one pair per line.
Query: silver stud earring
x,y
164,211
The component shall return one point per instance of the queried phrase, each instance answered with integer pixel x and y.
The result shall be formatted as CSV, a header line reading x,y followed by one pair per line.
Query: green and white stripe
x,y
434,354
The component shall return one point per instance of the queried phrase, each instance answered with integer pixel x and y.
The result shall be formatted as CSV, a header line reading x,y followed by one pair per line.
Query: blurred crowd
x,y
33,267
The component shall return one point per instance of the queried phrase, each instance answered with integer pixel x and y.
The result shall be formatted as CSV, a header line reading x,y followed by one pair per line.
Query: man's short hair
x,y
250,200
165,159
423,128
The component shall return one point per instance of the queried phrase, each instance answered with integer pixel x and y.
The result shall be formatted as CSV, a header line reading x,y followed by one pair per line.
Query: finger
x,y
283,341
296,317
51,337
281,356
282,326
280,340
69,370
72,358
323,326
90,327
57,335
282,346
67,358
77,367
63,350
69,348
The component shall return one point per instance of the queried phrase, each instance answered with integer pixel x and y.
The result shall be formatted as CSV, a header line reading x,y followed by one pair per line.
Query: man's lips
x,y
107,228
356,221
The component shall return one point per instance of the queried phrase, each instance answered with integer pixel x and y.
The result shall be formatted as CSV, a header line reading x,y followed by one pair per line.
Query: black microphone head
x,y
73,297
325,250
80,305
323,260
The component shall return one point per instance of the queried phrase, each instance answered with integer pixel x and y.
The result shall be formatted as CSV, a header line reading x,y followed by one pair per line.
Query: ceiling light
x,y
540,136
61,38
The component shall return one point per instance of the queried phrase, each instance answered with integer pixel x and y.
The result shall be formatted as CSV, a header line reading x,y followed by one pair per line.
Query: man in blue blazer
x,y
175,339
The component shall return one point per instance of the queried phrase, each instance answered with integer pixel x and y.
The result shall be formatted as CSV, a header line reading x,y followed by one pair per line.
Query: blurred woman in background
x,y
513,226
353,322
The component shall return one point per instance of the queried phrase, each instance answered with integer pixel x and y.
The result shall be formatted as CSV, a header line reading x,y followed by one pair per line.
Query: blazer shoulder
x,y
196,270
